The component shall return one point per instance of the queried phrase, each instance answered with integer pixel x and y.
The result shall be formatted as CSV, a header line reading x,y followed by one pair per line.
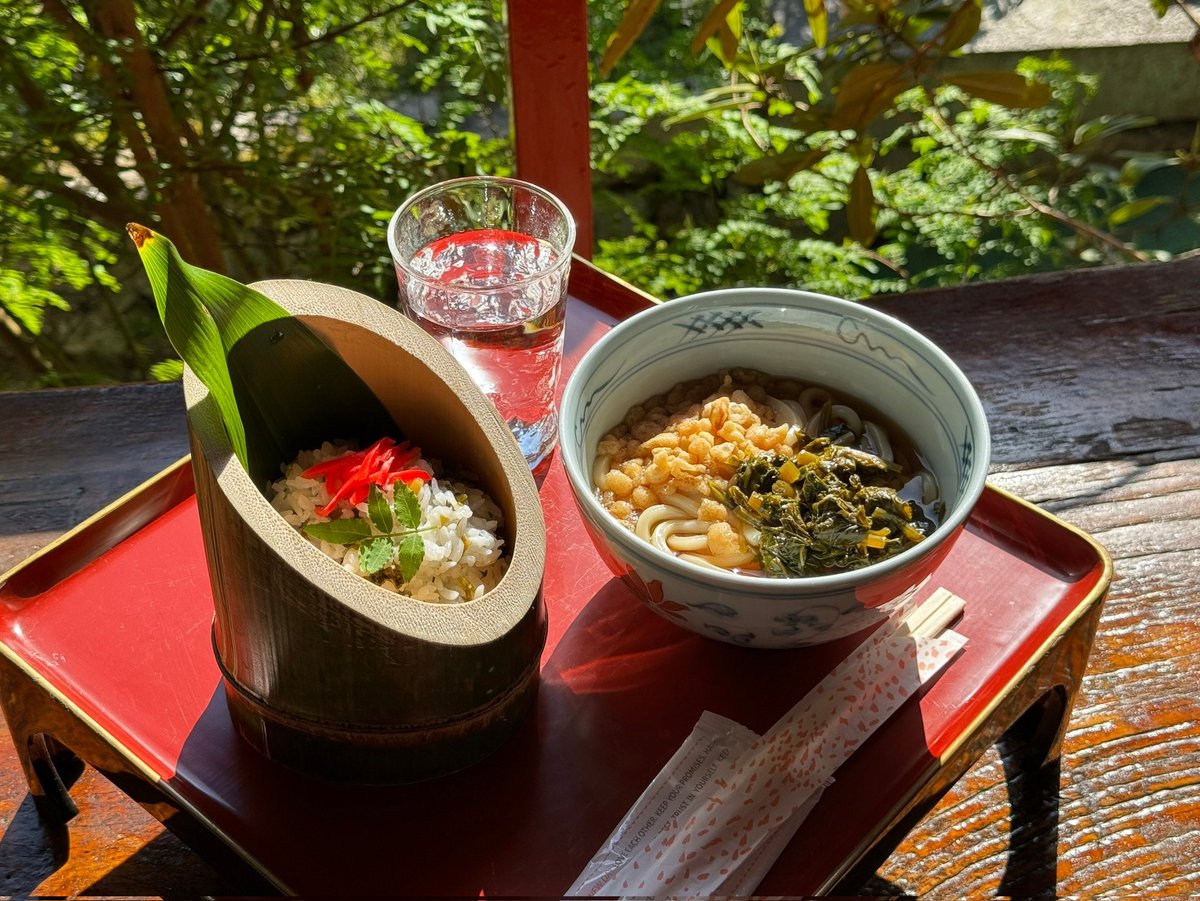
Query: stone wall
x,y
1143,61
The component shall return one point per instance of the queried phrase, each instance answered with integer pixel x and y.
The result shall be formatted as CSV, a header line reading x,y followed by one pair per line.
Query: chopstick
x,y
933,615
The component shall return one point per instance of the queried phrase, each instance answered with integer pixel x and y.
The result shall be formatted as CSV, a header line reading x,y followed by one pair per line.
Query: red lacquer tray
x,y
113,623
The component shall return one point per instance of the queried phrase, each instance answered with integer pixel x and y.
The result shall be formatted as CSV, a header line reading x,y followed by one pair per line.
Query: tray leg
x,y
55,770
49,767
54,743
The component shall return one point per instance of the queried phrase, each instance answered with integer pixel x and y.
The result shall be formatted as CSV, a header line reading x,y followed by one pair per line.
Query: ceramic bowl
x,y
846,347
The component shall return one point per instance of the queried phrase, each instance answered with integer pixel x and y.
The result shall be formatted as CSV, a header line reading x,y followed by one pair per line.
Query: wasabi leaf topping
x,y
339,531
375,554
407,507
380,511
410,554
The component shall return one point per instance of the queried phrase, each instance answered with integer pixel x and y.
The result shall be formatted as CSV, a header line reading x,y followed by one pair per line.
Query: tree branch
x,y
181,28
117,20
112,82
324,38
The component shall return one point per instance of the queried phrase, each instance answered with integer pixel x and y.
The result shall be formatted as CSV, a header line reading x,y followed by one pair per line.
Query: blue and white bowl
x,y
846,347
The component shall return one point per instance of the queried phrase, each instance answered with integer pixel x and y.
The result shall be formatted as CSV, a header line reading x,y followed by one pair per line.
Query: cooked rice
x,y
462,549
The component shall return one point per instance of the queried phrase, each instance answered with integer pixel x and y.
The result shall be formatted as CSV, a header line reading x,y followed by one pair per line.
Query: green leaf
x,y
339,531
860,209
1139,165
1134,208
632,23
818,21
711,24
962,25
26,303
410,553
1006,88
1107,126
167,371
379,510
408,508
704,111
1033,135
375,554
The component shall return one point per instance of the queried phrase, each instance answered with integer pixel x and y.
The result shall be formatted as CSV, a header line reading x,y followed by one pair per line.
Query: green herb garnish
x,y
381,545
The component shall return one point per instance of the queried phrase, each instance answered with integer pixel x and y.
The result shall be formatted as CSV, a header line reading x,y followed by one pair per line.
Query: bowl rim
x,y
578,474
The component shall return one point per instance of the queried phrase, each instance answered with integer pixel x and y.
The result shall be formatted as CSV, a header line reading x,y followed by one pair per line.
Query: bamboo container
x,y
324,671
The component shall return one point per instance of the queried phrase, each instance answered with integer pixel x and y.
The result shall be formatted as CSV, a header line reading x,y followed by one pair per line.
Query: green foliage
x,y
872,166
265,139
276,139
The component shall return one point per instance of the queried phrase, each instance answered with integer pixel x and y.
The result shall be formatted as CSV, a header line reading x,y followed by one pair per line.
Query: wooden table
x,y
1092,388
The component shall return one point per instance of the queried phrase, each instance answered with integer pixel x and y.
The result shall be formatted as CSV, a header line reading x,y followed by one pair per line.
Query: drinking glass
x,y
482,264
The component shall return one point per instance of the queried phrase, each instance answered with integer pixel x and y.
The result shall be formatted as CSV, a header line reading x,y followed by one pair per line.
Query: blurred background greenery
x,y
851,150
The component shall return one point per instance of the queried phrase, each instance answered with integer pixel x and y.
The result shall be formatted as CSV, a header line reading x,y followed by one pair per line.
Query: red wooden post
x,y
548,56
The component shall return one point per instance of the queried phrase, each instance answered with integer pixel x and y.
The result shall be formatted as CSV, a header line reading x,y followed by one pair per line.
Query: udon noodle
x,y
677,471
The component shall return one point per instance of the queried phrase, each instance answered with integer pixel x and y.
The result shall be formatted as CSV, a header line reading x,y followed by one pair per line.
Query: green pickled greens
x,y
827,509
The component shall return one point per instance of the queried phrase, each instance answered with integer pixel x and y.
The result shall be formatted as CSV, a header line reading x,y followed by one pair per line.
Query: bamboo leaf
x,y
379,510
410,553
407,506
860,210
632,24
339,531
1006,88
191,325
711,24
818,21
375,554
256,360
962,25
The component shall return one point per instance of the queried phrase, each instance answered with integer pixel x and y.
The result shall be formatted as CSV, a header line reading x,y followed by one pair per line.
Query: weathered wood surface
x,y
1092,383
